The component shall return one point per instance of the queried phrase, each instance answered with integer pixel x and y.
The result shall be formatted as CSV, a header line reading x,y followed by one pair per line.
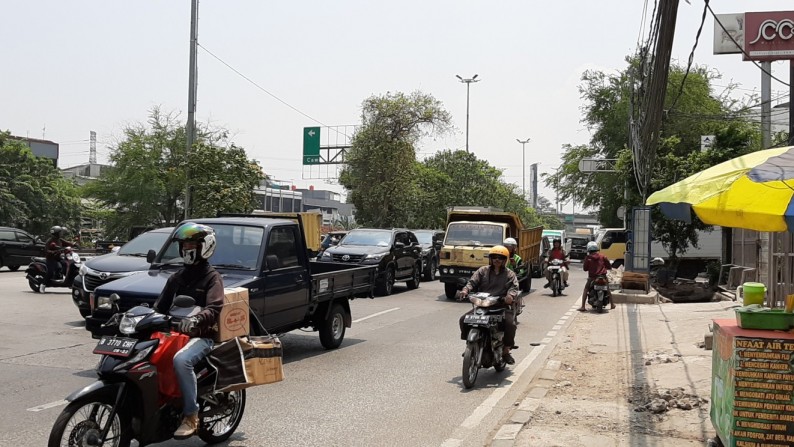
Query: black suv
x,y
17,247
431,242
396,252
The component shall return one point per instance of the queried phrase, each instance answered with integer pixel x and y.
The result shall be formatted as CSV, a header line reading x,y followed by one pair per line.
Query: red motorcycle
x,y
70,267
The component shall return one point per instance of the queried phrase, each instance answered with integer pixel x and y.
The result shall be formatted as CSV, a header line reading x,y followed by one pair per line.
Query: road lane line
x,y
479,413
49,405
376,314
551,333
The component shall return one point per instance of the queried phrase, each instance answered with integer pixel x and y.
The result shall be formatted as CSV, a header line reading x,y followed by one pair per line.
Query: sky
x,y
73,67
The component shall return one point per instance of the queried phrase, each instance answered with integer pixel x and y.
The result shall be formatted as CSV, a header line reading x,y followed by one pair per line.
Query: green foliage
x,y
146,185
697,112
380,167
33,193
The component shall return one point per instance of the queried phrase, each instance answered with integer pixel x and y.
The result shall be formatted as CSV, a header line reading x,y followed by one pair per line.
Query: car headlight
x,y
451,271
127,324
325,255
107,302
375,257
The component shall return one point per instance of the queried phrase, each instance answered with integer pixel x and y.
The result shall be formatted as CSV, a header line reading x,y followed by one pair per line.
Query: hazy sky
x,y
70,67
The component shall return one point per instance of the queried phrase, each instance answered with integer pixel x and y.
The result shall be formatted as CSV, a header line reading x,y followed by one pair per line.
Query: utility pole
x,y
191,100
766,104
468,82
523,167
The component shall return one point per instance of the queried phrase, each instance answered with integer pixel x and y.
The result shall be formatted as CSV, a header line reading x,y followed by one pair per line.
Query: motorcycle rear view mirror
x,y
184,301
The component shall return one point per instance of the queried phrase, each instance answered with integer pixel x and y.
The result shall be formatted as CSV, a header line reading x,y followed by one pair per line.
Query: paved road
x,y
395,381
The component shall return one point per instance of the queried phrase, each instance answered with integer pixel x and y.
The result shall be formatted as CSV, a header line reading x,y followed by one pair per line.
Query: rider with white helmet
x,y
514,261
595,264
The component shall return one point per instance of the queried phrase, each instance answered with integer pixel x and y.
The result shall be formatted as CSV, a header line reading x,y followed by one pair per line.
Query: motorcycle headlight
x,y
107,302
127,324
83,270
75,257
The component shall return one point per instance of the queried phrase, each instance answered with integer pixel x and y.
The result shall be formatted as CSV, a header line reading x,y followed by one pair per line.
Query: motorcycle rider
x,y
514,261
201,281
557,252
52,252
495,280
596,265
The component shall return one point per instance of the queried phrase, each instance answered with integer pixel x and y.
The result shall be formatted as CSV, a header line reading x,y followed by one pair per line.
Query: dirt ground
x,y
600,397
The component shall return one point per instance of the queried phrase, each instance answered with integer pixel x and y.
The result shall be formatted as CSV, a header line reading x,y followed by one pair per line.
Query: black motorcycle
x,y
484,341
70,267
126,402
599,295
555,270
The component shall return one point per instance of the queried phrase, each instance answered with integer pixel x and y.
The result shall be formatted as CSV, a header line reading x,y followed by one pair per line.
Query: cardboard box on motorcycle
x,y
234,318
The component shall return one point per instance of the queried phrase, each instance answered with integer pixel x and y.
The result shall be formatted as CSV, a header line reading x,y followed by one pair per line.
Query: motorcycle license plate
x,y
476,319
601,287
115,346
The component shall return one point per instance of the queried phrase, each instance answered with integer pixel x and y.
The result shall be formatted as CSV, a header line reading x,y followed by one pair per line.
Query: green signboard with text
x,y
311,145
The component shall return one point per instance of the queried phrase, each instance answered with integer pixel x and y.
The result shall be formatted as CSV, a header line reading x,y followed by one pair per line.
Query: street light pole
x,y
523,167
468,82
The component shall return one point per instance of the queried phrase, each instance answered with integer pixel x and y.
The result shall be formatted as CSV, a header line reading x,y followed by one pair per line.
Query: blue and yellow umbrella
x,y
754,191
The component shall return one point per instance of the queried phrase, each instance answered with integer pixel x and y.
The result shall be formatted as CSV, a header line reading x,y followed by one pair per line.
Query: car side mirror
x,y
399,245
150,255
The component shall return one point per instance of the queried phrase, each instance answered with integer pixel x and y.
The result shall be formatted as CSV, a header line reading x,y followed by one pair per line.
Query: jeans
x,y
184,361
53,265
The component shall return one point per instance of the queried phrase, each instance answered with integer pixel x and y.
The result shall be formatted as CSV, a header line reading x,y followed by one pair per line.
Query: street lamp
x,y
468,82
523,166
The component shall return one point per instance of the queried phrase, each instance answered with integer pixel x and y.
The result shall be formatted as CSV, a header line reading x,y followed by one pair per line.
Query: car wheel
x,y
386,285
13,268
416,275
430,271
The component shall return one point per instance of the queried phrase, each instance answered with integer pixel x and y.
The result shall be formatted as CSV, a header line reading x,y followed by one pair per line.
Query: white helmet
x,y
592,247
510,241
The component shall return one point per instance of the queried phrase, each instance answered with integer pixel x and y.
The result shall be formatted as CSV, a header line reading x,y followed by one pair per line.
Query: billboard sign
x,y
726,40
769,35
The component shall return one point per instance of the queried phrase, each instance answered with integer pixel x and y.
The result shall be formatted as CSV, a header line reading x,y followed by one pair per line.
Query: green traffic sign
x,y
311,145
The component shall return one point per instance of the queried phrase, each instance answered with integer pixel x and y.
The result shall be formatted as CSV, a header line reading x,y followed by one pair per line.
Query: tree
x,y
697,112
34,195
380,166
150,170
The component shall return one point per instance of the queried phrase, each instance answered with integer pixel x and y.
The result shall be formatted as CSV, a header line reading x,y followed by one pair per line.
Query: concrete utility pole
x,y
766,104
191,99
523,167
468,82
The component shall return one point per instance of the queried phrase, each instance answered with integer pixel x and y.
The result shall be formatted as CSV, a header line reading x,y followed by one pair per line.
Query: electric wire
x,y
691,56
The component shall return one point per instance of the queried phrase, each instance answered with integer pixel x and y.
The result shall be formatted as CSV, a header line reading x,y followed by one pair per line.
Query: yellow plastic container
x,y
753,293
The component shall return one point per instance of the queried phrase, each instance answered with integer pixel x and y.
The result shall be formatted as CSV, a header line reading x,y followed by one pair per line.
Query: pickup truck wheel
x,y
385,286
332,330
450,289
416,275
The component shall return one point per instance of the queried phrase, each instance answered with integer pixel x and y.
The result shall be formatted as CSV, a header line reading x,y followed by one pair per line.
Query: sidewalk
x,y
634,376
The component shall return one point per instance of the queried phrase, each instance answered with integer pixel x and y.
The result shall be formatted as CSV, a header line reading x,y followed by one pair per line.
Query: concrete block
x,y
553,364
708,341
521,417
537,392
529,404
630,297
508,432
548,374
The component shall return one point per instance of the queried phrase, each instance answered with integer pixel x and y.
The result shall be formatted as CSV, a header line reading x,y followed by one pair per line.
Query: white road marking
x,y
565,317
49,405
551,333
376,314
546,340
78,327
557,326
488,405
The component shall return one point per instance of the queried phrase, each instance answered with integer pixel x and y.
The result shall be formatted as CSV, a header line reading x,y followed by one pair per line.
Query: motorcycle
x,y
131,399
599,295
555,270
64,277
484,341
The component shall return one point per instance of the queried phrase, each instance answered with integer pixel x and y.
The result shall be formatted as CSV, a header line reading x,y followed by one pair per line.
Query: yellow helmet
x,y
500,250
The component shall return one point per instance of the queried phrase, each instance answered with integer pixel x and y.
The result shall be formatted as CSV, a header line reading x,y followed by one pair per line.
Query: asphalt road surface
x,y
395,381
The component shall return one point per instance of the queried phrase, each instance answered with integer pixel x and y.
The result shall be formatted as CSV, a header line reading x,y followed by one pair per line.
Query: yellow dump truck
x,y
471,232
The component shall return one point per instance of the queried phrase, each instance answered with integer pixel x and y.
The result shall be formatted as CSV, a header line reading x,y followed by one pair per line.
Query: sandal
x,y
582,309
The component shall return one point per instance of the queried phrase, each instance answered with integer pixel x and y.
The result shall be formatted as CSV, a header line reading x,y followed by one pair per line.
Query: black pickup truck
x,y
267,256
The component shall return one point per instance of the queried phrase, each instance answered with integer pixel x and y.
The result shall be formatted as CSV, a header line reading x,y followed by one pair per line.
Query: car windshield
x,y
474,234
237,247
139,246
375,238
425,237
579,241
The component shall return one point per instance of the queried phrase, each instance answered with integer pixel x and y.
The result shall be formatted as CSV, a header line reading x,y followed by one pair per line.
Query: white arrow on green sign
x,y
311,145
